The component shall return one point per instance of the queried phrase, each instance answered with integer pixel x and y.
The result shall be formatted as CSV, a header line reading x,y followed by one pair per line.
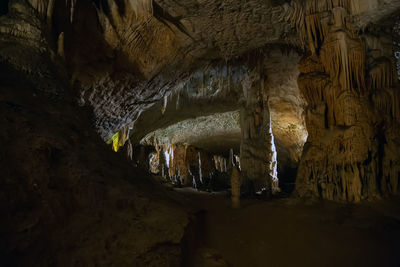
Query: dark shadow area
x,y
287,179
4,7
261,232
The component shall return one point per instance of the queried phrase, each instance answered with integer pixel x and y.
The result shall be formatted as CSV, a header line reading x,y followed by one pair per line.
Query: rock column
x,y
255,149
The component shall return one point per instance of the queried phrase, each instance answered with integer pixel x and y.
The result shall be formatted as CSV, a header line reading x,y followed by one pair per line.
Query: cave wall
x,y
215,90
124,62
349,82
66,198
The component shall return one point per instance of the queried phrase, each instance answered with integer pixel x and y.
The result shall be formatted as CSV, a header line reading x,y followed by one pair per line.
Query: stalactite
x,y
396,104
129,150
72,10
215,158
40,6
356,74
339,17
164,106
312,86
237,159
311,18
318,6
343,159
294,14
383,101
344,60
50,9
124,135
331,94
317,30
381,75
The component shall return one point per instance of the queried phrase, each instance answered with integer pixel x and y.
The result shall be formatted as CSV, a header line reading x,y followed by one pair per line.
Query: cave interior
x,y
200,133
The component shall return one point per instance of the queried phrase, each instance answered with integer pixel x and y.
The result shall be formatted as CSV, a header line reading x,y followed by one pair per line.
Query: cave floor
x,y
287,232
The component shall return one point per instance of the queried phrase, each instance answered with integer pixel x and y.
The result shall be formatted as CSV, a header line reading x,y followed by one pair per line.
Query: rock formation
x,y
205,94
348,80
255,149
66,199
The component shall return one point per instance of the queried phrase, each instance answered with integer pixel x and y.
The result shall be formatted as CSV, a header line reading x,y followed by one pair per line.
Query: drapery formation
x,y
349,81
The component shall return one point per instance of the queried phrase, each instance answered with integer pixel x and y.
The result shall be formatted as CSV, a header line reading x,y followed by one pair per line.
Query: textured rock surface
x,y
66,199
125,57
162,54
286,106
215,133
255,119
221,89
216,90
353,98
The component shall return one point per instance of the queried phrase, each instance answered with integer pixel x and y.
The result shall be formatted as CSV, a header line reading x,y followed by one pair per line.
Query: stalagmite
x,y
235,187
60,45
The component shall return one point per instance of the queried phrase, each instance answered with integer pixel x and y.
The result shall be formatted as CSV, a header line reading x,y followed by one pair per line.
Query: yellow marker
x,y
115,141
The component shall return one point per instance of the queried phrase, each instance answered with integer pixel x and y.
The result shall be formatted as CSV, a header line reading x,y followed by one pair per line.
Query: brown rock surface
x,y
345,82
194,79
66,198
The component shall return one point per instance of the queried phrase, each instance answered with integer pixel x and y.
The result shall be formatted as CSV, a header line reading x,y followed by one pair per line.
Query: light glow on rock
x,y
273,165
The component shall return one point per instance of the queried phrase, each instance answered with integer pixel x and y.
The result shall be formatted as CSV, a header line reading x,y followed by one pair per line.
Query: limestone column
x,y
255,153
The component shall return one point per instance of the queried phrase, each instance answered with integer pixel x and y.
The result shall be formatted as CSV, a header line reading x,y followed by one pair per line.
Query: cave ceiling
x,y
146,57
126,57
